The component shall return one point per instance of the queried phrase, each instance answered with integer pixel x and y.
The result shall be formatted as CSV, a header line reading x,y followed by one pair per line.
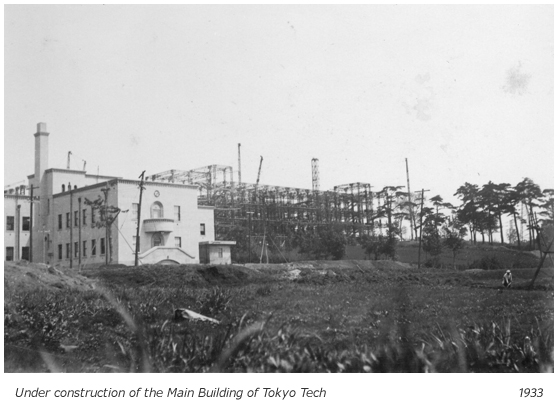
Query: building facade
x,y
81,220
17,224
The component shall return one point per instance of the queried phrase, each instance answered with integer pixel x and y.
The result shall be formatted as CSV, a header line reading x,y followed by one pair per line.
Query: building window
x,y
10,253
156,210
67,251
178,241
25,252
9,223
76,218
68,220
102,246
76,251
84,248
135,210
93,214
177,213
60,251
59,222
220,252
48,206
84,217
202,229
25,223
93,247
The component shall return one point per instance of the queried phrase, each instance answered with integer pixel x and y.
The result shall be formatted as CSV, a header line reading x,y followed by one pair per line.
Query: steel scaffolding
x,y
277,209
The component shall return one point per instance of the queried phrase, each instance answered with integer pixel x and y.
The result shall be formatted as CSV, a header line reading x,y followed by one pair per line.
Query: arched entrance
x,y
157,240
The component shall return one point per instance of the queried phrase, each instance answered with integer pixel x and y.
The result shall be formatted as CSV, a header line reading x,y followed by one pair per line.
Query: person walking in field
x,y
507,280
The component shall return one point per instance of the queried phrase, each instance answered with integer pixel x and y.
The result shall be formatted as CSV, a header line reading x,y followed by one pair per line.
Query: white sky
x,y
464,92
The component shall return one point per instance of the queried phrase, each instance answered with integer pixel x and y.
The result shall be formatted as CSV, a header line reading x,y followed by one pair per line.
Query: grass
x,y
471,256
345,320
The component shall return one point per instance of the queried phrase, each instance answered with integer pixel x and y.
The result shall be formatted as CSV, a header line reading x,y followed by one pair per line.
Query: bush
x,y
217,301
487,263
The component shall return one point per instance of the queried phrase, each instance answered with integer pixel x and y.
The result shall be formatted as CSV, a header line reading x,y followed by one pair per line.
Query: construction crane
x,y
259,171
68,165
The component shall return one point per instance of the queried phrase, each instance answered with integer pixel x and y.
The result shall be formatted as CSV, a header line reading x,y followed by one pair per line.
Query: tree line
x,y
439,224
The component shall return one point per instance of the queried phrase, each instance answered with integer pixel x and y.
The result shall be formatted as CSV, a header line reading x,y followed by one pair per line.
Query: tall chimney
x,y
41,151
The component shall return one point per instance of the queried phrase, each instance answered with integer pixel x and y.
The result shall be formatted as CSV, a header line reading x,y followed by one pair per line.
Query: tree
x,y
393,196
548,205
468,212
454,238
509,206
388,247
512,235
431,241
529,193
323,243
107,216
491,201
334,242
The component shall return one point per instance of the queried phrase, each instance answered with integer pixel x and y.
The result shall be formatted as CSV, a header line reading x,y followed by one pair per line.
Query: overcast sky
x,y
464,92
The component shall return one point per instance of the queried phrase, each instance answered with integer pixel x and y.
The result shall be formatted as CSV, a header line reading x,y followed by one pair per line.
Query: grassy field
x,y
349,316
471,256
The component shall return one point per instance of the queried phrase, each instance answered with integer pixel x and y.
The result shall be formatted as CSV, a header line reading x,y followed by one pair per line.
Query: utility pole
x,y
420,217
107,241
79,233
249,236
71,226
239,171
409,192
139,218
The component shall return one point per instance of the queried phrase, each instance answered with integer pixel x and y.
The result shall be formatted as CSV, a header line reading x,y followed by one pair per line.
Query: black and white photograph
x,y
324,189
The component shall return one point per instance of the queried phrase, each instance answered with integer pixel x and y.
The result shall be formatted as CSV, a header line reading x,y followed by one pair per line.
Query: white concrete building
x,y
68,223
17,225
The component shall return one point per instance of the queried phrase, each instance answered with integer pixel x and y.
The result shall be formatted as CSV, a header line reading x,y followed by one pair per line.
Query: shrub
x,y
487,263
217,301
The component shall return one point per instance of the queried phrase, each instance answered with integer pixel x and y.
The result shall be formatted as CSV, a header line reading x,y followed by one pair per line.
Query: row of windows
x,y
156,213
84,249
10,253
25,223
76,218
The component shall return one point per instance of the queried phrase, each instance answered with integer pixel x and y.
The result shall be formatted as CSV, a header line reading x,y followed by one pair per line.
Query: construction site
x,y
276,209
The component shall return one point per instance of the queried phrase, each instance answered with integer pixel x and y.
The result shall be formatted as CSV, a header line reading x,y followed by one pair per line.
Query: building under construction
x,y
276,209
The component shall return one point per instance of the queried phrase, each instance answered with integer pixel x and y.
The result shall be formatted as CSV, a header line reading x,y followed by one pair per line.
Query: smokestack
x,y
41,151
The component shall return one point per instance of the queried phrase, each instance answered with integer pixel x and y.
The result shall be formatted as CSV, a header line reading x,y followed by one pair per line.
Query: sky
x,y
465,93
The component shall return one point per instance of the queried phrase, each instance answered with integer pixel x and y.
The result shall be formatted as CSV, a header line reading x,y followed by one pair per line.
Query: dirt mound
x,y
216,275
23,275
195,275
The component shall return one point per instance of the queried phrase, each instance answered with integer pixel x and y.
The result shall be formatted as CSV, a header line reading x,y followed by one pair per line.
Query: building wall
x,y
17,207
90,254
186,226
215,254
80,242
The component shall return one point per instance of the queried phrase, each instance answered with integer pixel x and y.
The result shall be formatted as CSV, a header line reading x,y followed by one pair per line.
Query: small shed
x,y
216,252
